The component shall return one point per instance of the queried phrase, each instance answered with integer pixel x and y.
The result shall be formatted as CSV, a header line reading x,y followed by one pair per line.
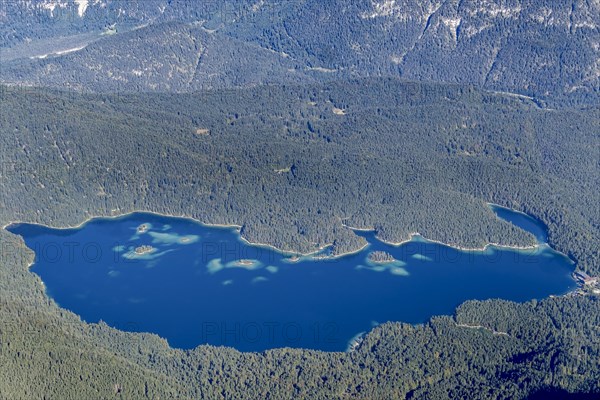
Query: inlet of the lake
x,y
193,284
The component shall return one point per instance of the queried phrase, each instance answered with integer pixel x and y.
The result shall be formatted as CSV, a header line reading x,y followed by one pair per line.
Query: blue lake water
x,y
196,284
524,221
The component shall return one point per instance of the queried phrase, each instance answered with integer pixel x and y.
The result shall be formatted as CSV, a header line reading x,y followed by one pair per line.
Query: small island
x,y
381,257
143,228
144,250
244,263
339,111
249,265
202,132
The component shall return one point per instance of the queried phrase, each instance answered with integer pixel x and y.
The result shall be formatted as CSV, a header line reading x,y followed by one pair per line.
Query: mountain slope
x,y
550,51
170,57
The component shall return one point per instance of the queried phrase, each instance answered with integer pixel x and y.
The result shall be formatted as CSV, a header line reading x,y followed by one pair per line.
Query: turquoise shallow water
x,y
195,284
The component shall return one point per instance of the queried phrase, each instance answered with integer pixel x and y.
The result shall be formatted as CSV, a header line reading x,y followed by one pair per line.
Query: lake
x,y
194,284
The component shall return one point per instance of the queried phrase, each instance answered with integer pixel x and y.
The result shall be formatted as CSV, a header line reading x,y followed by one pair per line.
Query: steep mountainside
x,y
548,51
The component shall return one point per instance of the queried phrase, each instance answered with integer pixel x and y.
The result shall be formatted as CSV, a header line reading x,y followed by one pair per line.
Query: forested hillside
x,y
294,173
548,51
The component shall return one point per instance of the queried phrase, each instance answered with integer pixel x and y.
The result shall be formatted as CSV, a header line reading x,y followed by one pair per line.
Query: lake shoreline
x,y
372,283
412,235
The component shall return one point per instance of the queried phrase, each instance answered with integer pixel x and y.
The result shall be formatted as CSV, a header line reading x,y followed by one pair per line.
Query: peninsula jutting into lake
x,y
219,289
